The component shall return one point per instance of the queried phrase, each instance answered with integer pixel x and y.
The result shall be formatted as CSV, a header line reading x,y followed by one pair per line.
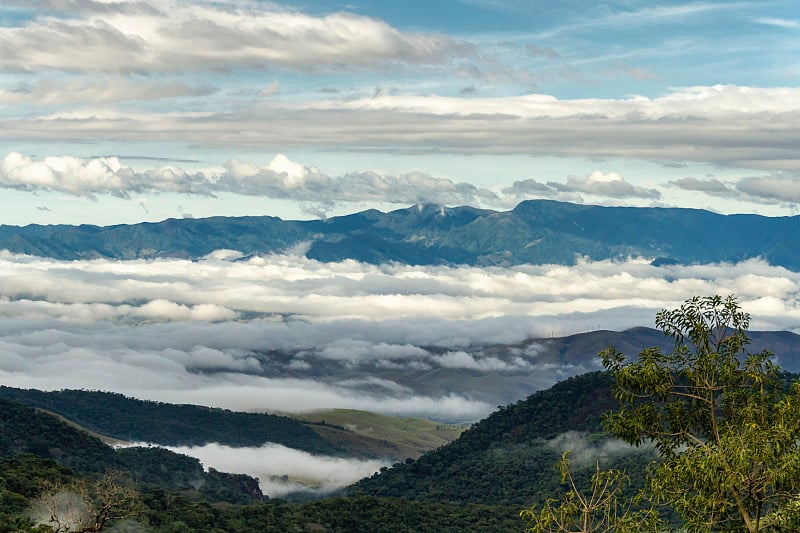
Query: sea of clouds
x,y
283,332
286,333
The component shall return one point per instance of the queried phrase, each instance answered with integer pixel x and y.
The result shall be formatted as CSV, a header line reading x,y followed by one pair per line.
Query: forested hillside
x,y
135,420
38,450
506,459
477,483
24,430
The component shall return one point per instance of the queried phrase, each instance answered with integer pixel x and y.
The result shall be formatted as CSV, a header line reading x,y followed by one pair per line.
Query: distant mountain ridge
x,y
547,360
536,232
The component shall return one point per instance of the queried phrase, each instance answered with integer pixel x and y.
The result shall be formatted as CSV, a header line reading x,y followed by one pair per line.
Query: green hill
x,y
508,457
36,448
373,434
129,419
478,482
24,430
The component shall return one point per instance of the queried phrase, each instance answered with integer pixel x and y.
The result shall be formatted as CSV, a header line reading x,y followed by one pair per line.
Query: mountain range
x,y
518,370
535,232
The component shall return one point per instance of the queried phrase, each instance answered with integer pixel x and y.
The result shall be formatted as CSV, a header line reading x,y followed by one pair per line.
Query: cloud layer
x,y
281,470
174,36
281,178
724,125
285,179
287,333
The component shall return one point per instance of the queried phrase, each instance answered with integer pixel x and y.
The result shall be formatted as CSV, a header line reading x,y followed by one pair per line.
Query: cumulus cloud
x,y
280,178
283,178
598,183
606,184
87,177
461,359
531,188
279,287
177,36
772,189
777,188
281,470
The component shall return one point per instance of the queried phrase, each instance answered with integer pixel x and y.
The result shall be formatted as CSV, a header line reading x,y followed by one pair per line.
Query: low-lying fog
x,y
282,332
281,470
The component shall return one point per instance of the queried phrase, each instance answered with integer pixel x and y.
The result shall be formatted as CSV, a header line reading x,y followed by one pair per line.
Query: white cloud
x,y
606,184
461,359
278,286
99,90
598,183
280,178
291,334
787,24
106,175
773,189
583,451
776,188
281,470
713,102
731,126
710,186
175,36
364,351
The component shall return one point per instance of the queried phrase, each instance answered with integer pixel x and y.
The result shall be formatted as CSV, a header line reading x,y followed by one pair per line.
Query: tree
x,y
84,505
601,509
726,428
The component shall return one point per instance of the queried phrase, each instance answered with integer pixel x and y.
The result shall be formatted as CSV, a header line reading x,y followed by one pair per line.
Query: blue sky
x,y
135,110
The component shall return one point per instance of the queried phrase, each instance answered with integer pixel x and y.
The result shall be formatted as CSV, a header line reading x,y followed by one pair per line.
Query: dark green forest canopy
x,y
117,416
35,447
23,478
504,458
24,430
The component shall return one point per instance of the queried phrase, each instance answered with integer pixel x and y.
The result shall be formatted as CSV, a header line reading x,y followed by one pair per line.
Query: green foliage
x,y
25,430
601,508
359,514
728,433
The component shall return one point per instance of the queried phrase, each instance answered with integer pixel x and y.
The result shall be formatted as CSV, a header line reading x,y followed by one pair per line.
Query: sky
x,y
132,110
